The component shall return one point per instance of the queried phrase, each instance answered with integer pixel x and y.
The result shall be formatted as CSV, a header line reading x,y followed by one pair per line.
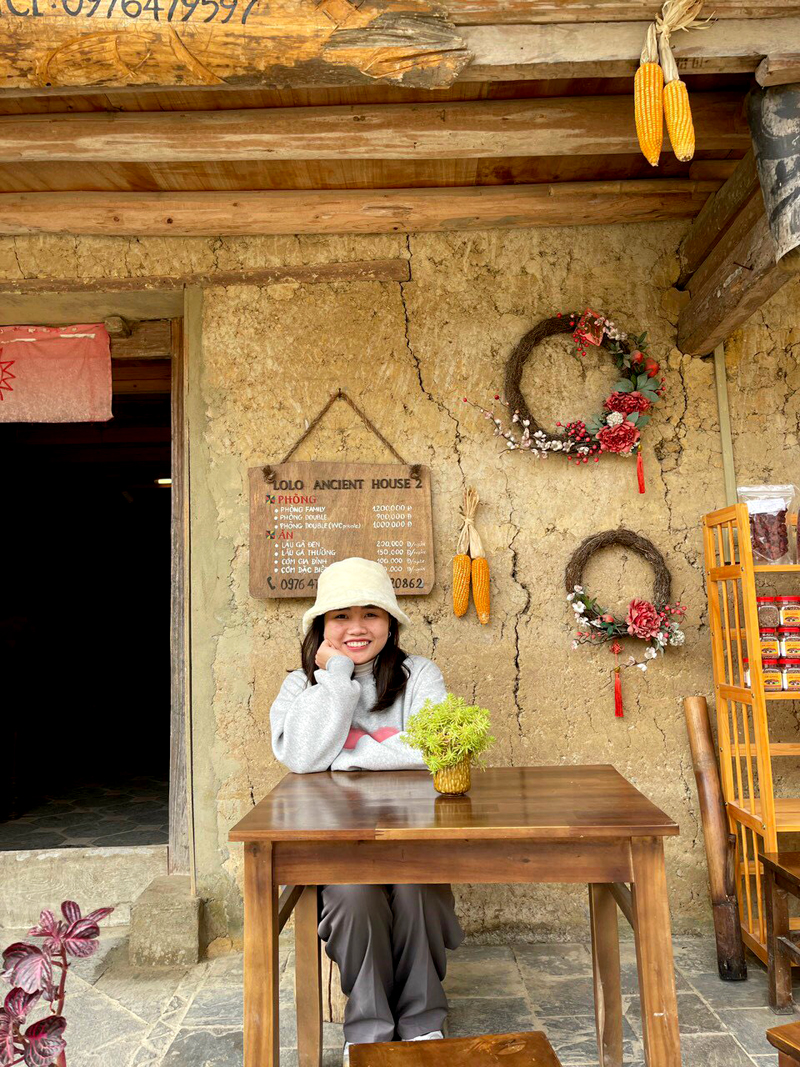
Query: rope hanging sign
x,y
305,515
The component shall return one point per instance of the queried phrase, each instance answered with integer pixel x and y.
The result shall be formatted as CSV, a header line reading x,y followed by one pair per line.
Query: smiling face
x,y
360,633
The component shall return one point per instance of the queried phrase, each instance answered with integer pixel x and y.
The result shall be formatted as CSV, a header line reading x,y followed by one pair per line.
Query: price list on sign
x,y
304,516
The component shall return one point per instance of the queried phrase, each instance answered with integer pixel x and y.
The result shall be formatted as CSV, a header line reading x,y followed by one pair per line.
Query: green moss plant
x,y
449,732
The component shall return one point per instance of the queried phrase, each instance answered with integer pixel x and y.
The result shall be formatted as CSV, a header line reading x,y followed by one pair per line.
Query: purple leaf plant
x,y
40,971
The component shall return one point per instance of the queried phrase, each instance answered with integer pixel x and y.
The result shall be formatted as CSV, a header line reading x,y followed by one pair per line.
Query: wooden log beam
x,y
367,270
352,211
556,126
738,277
718,215
484,12
285,43
402,46
611,50
150,339
779,70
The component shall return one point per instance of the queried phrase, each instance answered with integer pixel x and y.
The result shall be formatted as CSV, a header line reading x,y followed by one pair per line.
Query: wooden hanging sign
x,y
311,514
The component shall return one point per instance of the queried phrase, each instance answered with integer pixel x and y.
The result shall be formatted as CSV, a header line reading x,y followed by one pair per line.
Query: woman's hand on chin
x,y
324,653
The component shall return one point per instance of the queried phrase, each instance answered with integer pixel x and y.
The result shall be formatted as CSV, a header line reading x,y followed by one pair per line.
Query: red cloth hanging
x,y
618,709
640,470
55,373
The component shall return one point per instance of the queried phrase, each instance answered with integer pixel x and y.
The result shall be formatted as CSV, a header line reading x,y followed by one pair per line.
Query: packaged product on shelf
x,y
746,669
790,670
772,674
768,507
770,645
789,610
789,639
768,613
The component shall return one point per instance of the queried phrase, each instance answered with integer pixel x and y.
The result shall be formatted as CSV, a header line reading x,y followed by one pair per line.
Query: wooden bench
x,y
530,1049
786,1039
781,880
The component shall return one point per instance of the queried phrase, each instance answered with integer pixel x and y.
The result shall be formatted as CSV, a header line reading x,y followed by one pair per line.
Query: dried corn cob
x,y
461,573
677,15
648,100
480,565
461,561
480,587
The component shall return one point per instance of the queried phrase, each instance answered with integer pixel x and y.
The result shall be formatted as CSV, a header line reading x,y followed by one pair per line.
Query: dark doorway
x,y
85,628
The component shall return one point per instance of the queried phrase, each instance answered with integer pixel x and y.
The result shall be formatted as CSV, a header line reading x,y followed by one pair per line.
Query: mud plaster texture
x,y
408,353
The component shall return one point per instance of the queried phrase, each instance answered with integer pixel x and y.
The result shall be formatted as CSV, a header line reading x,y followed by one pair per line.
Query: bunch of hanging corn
x,y
648,102
677,15
470,564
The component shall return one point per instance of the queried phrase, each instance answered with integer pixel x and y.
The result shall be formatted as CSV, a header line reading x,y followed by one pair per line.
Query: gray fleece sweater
x,y
329,726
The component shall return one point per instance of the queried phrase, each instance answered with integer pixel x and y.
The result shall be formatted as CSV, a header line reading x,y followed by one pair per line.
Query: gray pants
x,y
389,943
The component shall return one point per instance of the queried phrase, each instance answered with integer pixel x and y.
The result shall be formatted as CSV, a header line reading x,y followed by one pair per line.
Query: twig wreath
x,y
656,621
617,429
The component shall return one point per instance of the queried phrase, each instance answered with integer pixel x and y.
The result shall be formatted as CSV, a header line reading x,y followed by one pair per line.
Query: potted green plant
x,y
451,736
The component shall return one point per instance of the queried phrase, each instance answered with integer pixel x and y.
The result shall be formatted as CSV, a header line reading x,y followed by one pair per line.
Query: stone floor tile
x,y
110,946
553,959
575,1040
95,1024
483,978
216,1006
749,1025
694,1016
713,1050
751,993
193,1048
483,1015
557,996
473,953
697,955
144,992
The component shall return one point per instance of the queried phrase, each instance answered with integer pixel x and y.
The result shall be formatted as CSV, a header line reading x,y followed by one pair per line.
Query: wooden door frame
x,y
181,816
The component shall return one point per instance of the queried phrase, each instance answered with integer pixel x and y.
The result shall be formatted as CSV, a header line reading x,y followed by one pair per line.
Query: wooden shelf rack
x,y
756,816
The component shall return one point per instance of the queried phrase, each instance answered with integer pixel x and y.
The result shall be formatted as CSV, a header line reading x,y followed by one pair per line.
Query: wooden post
x,y
779,966
720,843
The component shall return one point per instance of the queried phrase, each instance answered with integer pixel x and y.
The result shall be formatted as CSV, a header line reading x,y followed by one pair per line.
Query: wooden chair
x,y
490,1050
786,1039
781,880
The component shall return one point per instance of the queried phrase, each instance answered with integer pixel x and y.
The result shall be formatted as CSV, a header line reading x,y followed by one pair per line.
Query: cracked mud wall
x,y
408,353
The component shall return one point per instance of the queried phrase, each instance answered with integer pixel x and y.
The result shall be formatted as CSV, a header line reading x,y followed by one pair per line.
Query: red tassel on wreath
x,y
616,648
618,710
640,470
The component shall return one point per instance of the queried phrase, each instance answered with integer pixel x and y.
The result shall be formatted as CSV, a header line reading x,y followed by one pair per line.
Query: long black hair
x,y
388,668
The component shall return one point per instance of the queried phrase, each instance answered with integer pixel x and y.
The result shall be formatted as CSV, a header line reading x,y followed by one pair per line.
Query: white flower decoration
x,y
579,608
570,597
677,638
615,418
650,653
642,667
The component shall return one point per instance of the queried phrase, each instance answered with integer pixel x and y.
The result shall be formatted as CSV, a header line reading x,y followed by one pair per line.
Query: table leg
x,y
607,979
261,970
654,954
779,966
308,979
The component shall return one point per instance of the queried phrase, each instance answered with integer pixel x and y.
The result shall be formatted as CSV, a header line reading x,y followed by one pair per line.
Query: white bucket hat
x,y
354,582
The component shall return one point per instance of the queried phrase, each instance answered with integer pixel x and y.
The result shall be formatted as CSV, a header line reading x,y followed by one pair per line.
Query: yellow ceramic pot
x,y
453,780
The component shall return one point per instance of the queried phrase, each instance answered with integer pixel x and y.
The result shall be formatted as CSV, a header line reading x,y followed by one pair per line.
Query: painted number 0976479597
x,y
160,10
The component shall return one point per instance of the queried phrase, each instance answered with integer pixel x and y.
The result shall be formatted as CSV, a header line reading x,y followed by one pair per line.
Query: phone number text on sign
x,y
219,11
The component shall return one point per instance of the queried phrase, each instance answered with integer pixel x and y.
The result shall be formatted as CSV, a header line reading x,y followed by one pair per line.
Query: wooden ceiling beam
x,y
150,339
779,70
404,47
483,12
729,263
548,126
612,49
286,44
351,211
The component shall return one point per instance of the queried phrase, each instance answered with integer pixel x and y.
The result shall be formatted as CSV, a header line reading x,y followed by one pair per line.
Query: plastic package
x,y
768,506
768,612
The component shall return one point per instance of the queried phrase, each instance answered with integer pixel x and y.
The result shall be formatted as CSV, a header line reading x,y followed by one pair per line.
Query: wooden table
x,y
520,824
781,881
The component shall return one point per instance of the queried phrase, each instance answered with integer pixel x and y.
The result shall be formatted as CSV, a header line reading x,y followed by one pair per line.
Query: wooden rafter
x,y
729,261
352,211
611,50
578,125
56,53
477,12
285,43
